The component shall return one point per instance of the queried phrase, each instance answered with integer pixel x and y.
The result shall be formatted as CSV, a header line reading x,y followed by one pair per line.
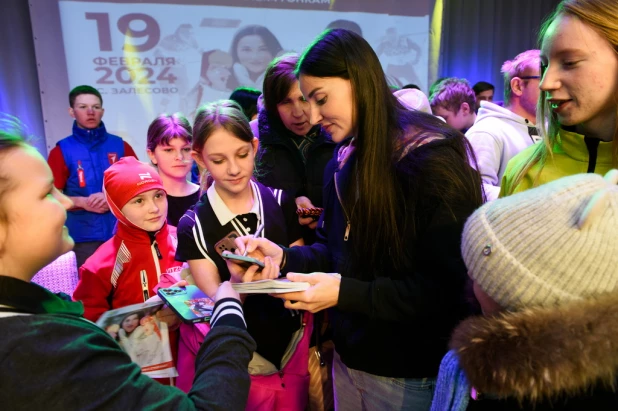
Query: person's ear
x,y
151,156
71,112
256,144
465,108
517,86
198,159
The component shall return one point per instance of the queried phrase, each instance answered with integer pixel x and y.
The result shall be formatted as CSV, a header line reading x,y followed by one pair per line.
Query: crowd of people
x,y
475,242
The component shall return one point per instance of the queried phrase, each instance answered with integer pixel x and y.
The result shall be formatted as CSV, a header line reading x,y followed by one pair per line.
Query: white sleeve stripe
x,y
227,304
201,233
227,311
199,240
197,243
261,206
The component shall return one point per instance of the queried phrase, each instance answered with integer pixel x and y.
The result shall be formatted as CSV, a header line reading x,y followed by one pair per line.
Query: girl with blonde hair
x,y
578,104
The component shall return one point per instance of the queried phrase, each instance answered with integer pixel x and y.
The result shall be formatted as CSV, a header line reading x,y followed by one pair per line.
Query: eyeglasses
x,y
529,77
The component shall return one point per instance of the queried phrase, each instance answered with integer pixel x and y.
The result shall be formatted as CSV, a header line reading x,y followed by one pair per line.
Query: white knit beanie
x,y
413,99
547,245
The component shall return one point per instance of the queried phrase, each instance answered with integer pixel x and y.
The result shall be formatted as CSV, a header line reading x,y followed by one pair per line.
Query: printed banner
x,y
148,59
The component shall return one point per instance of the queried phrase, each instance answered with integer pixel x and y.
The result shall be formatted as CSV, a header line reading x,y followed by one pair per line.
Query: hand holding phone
x,y
188,302
242,260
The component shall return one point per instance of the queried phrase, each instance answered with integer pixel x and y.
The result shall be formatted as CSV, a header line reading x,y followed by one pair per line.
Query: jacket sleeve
x,y
221,368
308,258
78,366
93,291
58,167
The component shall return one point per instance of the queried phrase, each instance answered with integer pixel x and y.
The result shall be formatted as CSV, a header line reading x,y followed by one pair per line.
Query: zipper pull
x,y
144,278
347,232
156,247
81,176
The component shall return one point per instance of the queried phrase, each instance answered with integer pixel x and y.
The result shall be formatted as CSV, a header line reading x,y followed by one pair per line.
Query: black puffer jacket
x,y
279,164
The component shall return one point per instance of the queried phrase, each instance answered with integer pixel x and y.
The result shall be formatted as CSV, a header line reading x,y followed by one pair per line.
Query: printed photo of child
x,y
142,336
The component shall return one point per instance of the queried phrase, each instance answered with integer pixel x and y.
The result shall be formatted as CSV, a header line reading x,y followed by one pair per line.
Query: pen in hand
x,y
255,235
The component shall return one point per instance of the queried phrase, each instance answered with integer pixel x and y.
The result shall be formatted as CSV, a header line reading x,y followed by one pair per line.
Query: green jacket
x,y
572,154
54,359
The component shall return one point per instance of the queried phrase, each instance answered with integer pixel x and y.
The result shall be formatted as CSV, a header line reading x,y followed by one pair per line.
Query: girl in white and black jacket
x,y
233,206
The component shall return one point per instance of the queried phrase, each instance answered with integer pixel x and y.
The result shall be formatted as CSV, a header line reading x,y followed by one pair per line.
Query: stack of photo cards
x,y
270,286
280,285
140,334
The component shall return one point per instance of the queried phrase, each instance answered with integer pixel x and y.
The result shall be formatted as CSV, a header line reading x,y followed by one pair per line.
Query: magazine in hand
x,y
280,285
189,303
140,334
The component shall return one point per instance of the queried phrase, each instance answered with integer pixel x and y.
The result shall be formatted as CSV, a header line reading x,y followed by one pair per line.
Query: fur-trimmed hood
x,y
540,353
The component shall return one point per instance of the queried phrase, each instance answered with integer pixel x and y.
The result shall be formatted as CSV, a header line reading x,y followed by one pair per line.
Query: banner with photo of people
x,y
147,59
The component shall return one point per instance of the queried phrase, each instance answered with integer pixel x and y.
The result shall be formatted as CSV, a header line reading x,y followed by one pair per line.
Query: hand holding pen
x,y
258,231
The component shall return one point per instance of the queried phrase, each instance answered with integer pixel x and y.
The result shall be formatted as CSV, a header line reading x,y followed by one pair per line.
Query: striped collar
x,y
223,213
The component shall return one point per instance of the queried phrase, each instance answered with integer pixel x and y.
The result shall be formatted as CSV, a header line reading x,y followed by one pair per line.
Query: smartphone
x,y
227,243
242,260
189,303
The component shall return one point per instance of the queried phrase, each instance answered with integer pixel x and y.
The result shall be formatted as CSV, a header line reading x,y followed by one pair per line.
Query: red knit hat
x,y
127,178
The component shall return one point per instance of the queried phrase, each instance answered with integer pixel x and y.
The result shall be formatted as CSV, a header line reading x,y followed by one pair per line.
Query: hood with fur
x,y
540,353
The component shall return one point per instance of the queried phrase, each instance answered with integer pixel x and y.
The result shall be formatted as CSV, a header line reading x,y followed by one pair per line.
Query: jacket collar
x,y
223,213
90,137
574,146
129,232
539,353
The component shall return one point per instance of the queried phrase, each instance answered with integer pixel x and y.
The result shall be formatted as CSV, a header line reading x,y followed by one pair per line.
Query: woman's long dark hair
x,y
344,54
376,196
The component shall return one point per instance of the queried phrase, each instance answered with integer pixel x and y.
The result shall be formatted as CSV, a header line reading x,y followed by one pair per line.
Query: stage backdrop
x,y
148,58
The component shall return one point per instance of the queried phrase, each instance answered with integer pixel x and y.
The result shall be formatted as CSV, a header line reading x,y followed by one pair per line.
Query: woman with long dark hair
x,y
396,196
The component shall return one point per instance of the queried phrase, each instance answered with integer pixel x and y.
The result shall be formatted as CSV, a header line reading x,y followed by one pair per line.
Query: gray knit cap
x,y
547,245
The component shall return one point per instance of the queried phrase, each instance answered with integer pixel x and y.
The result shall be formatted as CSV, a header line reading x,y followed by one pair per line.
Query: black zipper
x,y
592,144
